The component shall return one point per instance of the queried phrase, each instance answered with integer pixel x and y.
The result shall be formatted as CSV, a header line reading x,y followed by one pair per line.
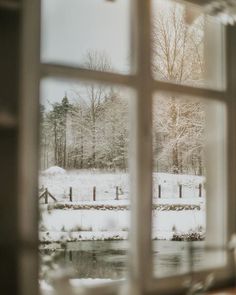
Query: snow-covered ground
x,y
107,218
82,183
93,224
48,289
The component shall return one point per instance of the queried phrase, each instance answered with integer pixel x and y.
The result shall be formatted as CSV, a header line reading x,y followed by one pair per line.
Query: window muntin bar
x,y
53,70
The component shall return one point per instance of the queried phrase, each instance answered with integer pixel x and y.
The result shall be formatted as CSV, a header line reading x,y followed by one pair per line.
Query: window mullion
x,y
231,108
141,152
28,147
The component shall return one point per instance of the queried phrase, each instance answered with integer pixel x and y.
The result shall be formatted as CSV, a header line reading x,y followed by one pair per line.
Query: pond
x,y
108,259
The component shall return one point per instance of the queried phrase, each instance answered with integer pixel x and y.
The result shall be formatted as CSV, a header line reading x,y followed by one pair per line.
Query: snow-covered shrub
x,y
54,170
190,236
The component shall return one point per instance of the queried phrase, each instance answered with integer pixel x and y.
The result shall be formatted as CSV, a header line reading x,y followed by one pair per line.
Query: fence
x,y
180,191
46,194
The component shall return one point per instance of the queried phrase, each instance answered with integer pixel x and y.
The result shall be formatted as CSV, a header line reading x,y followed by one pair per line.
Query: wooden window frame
x,y
140,275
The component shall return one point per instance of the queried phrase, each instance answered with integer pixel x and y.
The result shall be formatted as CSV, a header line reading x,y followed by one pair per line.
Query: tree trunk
x,y
175,160
55,144
93,141
81,151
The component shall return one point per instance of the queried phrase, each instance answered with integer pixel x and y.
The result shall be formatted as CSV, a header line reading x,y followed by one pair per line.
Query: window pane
x,y
83,159
189,169
75,31
187,45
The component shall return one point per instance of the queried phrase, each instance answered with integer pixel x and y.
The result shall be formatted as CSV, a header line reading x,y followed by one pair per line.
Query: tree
x,y
65,107
92,131
92,100
178,57
113,130
55,131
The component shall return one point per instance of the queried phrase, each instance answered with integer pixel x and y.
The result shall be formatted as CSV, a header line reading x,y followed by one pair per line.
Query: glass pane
x,y
75,31
188,146
187,45
83,182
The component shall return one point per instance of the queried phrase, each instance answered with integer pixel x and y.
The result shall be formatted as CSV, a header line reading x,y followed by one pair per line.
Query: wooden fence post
x,y
159,191
46,195
117,193
94,193
70,194
200,190
70,255
180,191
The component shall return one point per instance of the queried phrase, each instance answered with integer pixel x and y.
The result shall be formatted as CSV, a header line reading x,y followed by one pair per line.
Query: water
x,y
108,259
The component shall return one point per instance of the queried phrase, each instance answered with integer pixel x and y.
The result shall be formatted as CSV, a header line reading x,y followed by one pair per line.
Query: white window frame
x,y
140,274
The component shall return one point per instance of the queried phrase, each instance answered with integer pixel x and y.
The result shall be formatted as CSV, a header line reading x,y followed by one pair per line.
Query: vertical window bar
x,y
141,151
216,138
230,41
28,147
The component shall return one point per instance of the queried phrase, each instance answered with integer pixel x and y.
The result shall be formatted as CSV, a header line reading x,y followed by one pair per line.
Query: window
x,y
142,81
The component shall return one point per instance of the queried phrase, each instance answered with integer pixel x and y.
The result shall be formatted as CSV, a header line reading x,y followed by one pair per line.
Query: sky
x,y
71,28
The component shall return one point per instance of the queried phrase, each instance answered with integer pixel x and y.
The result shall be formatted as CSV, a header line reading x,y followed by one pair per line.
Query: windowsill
x,y
231,291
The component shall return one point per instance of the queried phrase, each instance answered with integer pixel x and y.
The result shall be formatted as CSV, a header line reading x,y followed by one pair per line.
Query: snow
x,y
58,236
89,282
48,289
82,183
44,286
92,224
85,220
54,170
107,218
170,185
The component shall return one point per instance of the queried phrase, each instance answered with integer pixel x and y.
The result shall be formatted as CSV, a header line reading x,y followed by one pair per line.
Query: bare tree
x,y
94,96
177,46
177,57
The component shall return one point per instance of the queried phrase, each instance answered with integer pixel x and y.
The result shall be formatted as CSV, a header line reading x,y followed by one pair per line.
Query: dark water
x,y
108,259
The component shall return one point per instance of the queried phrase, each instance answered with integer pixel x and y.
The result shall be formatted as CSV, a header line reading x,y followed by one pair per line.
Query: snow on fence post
x,y
70,194
200,190
46,195
94,193
117,193
159,191
180,191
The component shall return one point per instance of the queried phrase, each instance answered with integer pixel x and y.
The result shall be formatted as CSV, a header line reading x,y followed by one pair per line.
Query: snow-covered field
x,y
106,218
82,183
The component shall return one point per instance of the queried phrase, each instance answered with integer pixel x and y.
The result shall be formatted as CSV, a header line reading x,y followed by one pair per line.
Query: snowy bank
x,y
92,224
118,206
57,237
48,289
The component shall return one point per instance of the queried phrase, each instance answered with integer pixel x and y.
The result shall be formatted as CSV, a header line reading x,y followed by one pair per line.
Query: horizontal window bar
x,y
190,90
179,284
67,72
